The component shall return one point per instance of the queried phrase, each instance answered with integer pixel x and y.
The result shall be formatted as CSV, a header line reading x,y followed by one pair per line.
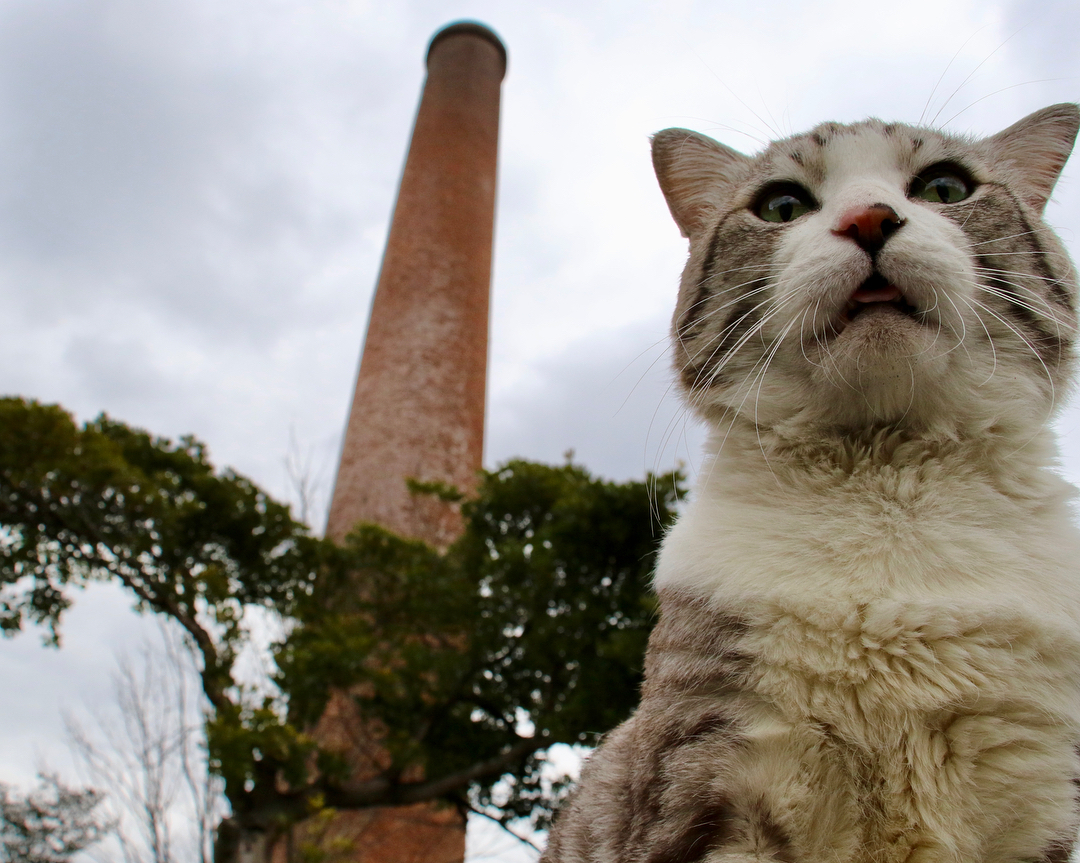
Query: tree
x,y
148,755
50,824
529,631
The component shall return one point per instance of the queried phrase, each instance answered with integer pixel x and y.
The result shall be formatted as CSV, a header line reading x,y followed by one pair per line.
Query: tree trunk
x,y
237,844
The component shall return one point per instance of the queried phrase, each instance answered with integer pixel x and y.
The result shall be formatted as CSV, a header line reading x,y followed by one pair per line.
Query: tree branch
x,y
383,792
203,641
208,674
502,824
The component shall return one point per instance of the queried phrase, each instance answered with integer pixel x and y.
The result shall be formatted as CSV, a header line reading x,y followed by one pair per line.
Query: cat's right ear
x,y
694,173
1036,148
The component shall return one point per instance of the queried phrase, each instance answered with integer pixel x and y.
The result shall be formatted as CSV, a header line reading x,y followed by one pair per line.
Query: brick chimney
x,y
418,409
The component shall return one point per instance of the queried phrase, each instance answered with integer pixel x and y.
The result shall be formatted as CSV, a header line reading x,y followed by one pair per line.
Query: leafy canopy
x,y
529,631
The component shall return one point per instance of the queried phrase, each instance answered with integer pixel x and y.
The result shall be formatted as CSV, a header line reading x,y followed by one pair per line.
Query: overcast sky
x,y
194,197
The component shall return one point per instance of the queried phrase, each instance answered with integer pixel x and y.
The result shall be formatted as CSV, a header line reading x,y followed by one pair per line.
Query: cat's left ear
x,y
1036,149
694,173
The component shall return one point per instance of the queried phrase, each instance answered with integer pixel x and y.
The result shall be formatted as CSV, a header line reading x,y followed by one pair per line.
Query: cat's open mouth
x,y
875,292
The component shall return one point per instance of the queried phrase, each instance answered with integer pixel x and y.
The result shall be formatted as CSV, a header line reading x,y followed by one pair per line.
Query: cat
x,y
868,647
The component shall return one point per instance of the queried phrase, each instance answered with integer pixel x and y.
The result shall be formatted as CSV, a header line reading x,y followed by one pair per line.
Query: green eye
x,y
783,203
942,184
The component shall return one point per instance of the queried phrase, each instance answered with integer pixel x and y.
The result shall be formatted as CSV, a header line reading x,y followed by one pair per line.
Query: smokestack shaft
x,y
418,409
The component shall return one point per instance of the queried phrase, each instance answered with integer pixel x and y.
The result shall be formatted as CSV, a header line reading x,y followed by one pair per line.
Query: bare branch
x,y
305,478
148,758
523,839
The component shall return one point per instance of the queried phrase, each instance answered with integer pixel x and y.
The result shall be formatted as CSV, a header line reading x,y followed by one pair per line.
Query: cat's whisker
x,y
665,441
1052,401
672,423
971,74
935,306
1010,298
1026,253
989,340
944,72
701,60
815,308
1049,280
771,312
963,324
829,369
718,339
1005,287
765,274
1026,342
696,321
1002,239
712,294
715,369
727,305
1005,278
760,381
767,269
971,212
999,91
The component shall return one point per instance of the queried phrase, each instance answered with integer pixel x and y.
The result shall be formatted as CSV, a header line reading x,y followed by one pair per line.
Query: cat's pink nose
x,y
869,226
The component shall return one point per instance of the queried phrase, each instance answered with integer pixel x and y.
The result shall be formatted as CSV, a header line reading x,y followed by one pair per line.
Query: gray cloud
x,y
609,398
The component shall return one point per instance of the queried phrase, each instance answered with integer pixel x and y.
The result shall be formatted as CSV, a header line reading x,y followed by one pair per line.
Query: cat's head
x,y
873,274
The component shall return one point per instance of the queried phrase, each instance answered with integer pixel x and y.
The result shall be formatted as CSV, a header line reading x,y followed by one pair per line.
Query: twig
x,y
500,822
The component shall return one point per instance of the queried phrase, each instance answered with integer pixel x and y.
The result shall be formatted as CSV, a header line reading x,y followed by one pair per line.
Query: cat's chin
x,y
880,341
884,328
882,362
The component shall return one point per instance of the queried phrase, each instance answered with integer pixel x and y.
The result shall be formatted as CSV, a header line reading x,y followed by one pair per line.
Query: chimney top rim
x,y
470,28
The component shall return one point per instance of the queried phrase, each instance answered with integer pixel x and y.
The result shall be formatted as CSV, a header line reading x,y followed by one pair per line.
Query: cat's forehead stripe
x,y
912,149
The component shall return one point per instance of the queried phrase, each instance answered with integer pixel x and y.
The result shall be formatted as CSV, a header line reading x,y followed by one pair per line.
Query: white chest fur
x,y
911,521
913,640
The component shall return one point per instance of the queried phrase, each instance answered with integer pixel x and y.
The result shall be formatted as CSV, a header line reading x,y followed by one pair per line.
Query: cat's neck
x,y
1016,461
849,518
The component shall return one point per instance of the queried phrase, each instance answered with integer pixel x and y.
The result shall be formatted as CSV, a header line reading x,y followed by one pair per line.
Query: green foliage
x,y
252,749
107,501
533,623
529,631
442,490
50,824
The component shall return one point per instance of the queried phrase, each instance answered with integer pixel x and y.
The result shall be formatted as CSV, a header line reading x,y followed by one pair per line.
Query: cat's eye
x,y
783,202
942,184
